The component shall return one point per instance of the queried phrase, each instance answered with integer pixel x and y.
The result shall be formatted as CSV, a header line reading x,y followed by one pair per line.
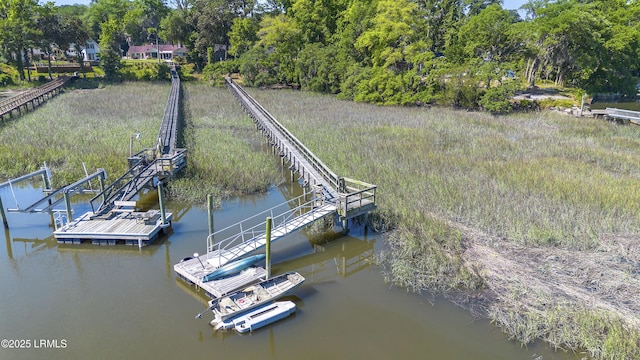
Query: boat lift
x,y
52,198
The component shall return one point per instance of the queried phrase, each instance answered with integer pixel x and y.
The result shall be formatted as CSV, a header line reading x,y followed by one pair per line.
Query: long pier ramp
x,y
114,218
33,97
328,194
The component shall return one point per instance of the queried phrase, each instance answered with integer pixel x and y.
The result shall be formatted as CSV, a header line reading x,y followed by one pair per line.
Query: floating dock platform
x,y
193,270
129,228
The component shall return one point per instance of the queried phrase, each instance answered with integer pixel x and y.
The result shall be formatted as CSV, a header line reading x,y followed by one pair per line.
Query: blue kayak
x,y
234,267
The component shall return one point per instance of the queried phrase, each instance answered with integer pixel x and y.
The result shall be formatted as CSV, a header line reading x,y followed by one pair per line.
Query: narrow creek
x,y
121,302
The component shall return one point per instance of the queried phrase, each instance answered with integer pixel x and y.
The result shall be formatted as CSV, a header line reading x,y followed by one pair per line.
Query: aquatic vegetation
x,y
92,126
225,157
453,183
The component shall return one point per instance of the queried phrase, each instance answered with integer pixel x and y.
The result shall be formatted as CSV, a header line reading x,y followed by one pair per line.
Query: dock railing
x,y
15,102
248,230
260,114
623,114
167,135
354,197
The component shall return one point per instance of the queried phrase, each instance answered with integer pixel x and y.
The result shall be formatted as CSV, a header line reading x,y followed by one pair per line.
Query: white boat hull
x,y
259,317
253,297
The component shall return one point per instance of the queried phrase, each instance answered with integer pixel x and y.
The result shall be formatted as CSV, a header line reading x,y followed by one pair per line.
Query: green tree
x,y
49,23
316,19
18,30
212,21
486,43
144,15
74,32
110,49
314,68
443,18
281,38
174,27
101,11
243,35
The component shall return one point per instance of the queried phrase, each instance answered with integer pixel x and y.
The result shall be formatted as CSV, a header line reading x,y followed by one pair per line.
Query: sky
x,y
507,4
513,4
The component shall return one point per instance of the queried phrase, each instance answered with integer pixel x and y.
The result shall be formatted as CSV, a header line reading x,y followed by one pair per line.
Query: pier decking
x,y
192,272
329,194
114,219
34,96
129,228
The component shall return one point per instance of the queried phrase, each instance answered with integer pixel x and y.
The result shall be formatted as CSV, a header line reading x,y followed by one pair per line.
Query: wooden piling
x,y
210,212
3,215
268,246
67,203
163,214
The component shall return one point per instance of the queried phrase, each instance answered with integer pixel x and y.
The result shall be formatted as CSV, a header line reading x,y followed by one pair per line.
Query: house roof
x,y
151,47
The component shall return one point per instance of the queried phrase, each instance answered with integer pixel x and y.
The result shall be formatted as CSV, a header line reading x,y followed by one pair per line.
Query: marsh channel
x,y
124,302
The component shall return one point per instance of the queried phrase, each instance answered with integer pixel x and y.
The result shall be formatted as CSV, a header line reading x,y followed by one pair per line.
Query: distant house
x,y
90,51
164,52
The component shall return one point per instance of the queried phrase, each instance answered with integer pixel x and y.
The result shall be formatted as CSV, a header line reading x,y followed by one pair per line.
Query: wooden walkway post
x,y
210,212
163,214
2,214
67,203
268,246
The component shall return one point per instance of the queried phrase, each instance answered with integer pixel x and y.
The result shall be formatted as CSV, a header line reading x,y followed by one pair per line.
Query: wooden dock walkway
x,y
114,219
352,197
329,194
35,97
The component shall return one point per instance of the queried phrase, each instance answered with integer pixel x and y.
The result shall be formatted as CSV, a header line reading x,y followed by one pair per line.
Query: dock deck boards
x,y
129,227
192,272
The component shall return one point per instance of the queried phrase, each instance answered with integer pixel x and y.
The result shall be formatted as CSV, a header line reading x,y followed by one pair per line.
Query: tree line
x,y
469,53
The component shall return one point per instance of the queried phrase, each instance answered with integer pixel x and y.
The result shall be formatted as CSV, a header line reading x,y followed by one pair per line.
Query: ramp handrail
x,y
110,194
249,103
625,114
280,214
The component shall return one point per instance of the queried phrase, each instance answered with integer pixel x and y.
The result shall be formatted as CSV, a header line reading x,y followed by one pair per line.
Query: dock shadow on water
x,y
106,302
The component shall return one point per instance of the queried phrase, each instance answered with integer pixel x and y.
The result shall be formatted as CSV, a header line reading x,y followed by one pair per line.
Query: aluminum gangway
x,y
249,235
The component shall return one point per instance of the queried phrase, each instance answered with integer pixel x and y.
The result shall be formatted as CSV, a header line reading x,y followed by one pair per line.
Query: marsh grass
x,y
94,125
225,158
572,328
540,180
91,126
533,178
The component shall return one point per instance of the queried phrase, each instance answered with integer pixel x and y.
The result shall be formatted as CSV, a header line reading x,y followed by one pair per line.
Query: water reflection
x,y
345,310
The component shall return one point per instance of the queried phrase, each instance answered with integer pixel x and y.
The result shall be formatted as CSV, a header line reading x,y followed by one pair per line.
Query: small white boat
x,y
259,317
257,295
265,316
